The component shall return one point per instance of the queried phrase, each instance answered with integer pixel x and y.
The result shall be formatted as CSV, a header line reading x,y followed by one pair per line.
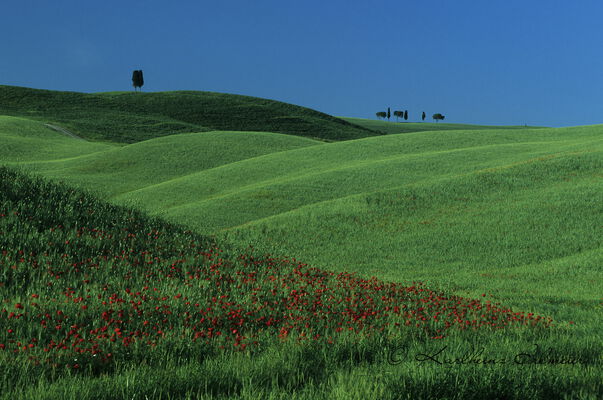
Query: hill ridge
x,y
130,117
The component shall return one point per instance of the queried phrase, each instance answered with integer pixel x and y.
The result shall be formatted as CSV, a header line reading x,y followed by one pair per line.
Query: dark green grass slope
x,y
132,117
408,127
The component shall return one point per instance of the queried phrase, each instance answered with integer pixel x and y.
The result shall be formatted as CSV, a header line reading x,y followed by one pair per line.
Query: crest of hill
x,y
129,117
394,127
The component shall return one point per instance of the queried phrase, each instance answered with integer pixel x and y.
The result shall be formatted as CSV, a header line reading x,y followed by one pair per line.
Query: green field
x,y
128,117
512,213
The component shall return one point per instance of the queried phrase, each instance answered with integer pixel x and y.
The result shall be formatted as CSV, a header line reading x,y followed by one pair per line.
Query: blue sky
x,y
490,62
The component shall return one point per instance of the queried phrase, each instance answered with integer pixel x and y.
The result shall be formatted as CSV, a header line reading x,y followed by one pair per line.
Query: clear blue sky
x,y
492,62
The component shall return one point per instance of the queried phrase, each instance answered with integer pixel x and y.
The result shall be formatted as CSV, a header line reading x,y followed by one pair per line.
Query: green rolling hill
x,y
27,140
407,206
121,169
511,213
128,117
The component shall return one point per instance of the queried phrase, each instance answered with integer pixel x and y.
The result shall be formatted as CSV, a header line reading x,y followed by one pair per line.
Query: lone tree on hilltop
x,y
405,115
423,116
137,79
381,114
388,114
437,117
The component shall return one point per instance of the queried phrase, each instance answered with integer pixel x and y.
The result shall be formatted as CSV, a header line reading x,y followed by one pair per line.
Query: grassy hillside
x,y
472,201
116,169
129,117
513,215
494,213
103,302
26,140
407,127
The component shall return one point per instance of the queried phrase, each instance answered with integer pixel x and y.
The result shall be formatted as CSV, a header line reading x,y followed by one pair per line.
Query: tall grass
x,y
101,301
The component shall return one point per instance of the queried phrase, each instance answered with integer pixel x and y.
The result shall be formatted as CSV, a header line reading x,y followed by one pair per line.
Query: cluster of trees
x,y
401,114
404,114
397,114
137,79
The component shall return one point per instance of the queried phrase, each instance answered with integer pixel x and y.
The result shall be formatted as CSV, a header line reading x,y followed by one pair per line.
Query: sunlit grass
x,y
499,215
103,302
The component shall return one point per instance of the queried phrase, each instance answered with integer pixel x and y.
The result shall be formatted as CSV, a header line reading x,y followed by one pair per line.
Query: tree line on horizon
x,y
404,114
138,82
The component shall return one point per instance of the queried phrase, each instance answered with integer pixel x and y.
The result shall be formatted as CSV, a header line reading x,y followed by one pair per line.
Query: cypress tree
x,y
137,79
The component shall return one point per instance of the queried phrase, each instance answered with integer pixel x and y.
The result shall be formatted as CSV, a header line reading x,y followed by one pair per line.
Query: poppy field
x,y
90,289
